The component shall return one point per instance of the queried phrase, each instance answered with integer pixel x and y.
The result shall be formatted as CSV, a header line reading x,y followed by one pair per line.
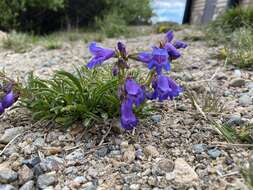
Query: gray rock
x,y
181,107
76,155
80,179
7,175
245,100
163,166
227,93
134,187
214,153
237,73
125,187
235,120
151,151
115,152
170,176
25,174
102,151
89,186
199,148
129,154
221,76
187,77
156,118
92,172
28,186
46,180
237,82
139,154
39,142
31,162
37,170
7,187
51,163
249,85
10,133
184,173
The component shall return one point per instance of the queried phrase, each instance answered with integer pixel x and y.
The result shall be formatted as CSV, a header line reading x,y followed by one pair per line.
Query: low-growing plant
x,y
85,96
19,42
94,93
241,48
208,99
51,43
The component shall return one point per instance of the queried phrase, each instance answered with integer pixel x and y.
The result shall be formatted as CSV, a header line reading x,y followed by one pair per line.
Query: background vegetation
x,y
234,30
49,15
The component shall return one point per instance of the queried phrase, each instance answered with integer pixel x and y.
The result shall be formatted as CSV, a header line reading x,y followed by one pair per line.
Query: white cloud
x,y
168,10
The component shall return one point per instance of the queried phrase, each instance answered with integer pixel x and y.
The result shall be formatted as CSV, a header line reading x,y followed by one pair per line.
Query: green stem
x,y
149,77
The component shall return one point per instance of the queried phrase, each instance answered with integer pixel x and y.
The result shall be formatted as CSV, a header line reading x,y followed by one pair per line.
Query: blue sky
x,y
168,10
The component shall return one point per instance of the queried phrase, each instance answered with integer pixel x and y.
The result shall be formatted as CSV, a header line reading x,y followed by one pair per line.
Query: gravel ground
x,y
174,149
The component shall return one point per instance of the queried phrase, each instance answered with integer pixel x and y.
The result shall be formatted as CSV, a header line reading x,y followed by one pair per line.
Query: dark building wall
x,y
203,11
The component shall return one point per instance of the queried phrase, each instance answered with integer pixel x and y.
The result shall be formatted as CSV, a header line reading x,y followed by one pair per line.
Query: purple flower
x,y
134,92
122,49
172,51
159,60
169,36
179,44
1,108
8,100
165,87
99,55
128,119
144,57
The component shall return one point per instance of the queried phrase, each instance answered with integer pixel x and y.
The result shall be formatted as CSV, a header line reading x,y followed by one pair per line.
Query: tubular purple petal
x,y
128,119
165,87
8,100
179,44
99,55
122,49
172,51
145,57
134,92
159,60
132,87
169,36
1,108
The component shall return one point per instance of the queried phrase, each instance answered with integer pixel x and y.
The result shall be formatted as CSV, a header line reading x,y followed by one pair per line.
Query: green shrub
x,y
163,27
234,18
132,11
233,30
240,51
46,16
112,25
23,14
19,42
219,30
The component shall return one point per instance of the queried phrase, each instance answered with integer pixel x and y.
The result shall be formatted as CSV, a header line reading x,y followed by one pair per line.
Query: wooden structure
x,y
203,11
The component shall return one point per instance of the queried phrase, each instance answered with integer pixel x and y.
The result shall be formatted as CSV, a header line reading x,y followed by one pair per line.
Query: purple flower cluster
x,y
131,93
8,98
160,58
